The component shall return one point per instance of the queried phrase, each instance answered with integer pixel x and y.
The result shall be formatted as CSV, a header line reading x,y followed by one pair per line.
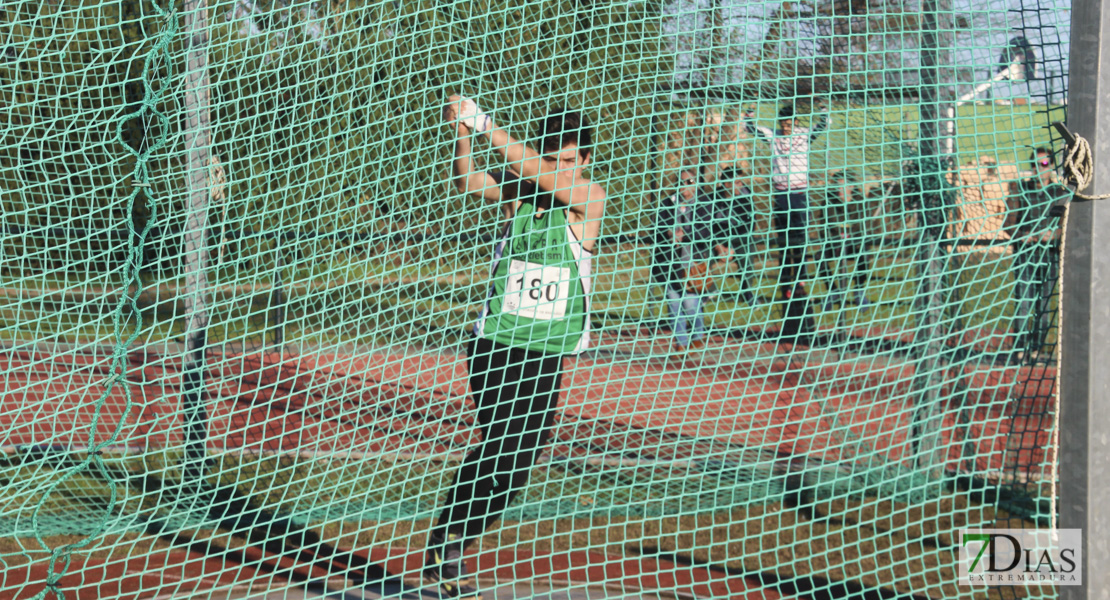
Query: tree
x,y
827,46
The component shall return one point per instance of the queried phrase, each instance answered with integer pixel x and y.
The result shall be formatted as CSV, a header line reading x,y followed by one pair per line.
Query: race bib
x,y
536,291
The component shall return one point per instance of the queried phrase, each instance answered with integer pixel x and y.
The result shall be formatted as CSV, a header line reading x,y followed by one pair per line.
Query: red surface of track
x,y
744,395
622,402
183,574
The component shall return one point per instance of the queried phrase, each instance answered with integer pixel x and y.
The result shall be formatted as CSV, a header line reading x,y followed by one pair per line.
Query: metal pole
x,y
198,139
1085,312
930,255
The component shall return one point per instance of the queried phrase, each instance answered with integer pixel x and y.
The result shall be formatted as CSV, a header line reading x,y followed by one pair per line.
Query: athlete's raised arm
x,y
466,179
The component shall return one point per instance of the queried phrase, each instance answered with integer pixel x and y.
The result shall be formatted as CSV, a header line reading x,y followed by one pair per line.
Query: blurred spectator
x,y
790,147
672,255
843,261
732,208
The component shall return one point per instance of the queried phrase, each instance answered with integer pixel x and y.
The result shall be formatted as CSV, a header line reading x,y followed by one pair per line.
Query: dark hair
x,y
561,127
1041,150
786,112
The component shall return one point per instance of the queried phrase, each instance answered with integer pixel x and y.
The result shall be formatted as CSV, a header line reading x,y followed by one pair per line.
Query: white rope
x,y
1079,168
1058,352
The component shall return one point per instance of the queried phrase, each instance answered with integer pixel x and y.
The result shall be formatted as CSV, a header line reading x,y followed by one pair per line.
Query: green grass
x,y
433,305
875,141
428,293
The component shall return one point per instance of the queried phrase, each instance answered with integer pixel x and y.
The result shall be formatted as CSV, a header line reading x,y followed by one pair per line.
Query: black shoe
x,y
443,564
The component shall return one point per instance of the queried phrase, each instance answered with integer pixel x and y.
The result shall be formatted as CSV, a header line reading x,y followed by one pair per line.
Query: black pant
x,y
515,391
790,224
790,228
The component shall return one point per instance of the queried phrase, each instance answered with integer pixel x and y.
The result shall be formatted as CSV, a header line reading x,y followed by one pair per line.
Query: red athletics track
x,y
183,574
742,394
619,402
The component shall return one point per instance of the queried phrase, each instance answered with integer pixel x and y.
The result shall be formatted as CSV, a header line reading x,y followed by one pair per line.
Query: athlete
x,y
536,312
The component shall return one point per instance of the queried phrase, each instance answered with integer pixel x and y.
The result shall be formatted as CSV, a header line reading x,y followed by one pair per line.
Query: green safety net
x,y
240,290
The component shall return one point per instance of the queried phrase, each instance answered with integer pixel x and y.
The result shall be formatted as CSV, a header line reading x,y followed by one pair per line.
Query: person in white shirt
x,y
790,147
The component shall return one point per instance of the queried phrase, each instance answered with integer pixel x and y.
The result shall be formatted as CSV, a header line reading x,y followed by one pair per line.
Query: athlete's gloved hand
x,y
473,117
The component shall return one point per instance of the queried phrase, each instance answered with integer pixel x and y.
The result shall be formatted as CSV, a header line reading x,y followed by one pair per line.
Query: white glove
x,y
473,117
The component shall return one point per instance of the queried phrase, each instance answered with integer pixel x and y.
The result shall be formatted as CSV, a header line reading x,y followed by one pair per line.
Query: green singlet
x,y
539,294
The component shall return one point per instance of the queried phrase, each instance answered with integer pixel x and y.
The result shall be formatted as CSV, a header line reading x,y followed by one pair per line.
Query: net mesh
x,y
256,327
